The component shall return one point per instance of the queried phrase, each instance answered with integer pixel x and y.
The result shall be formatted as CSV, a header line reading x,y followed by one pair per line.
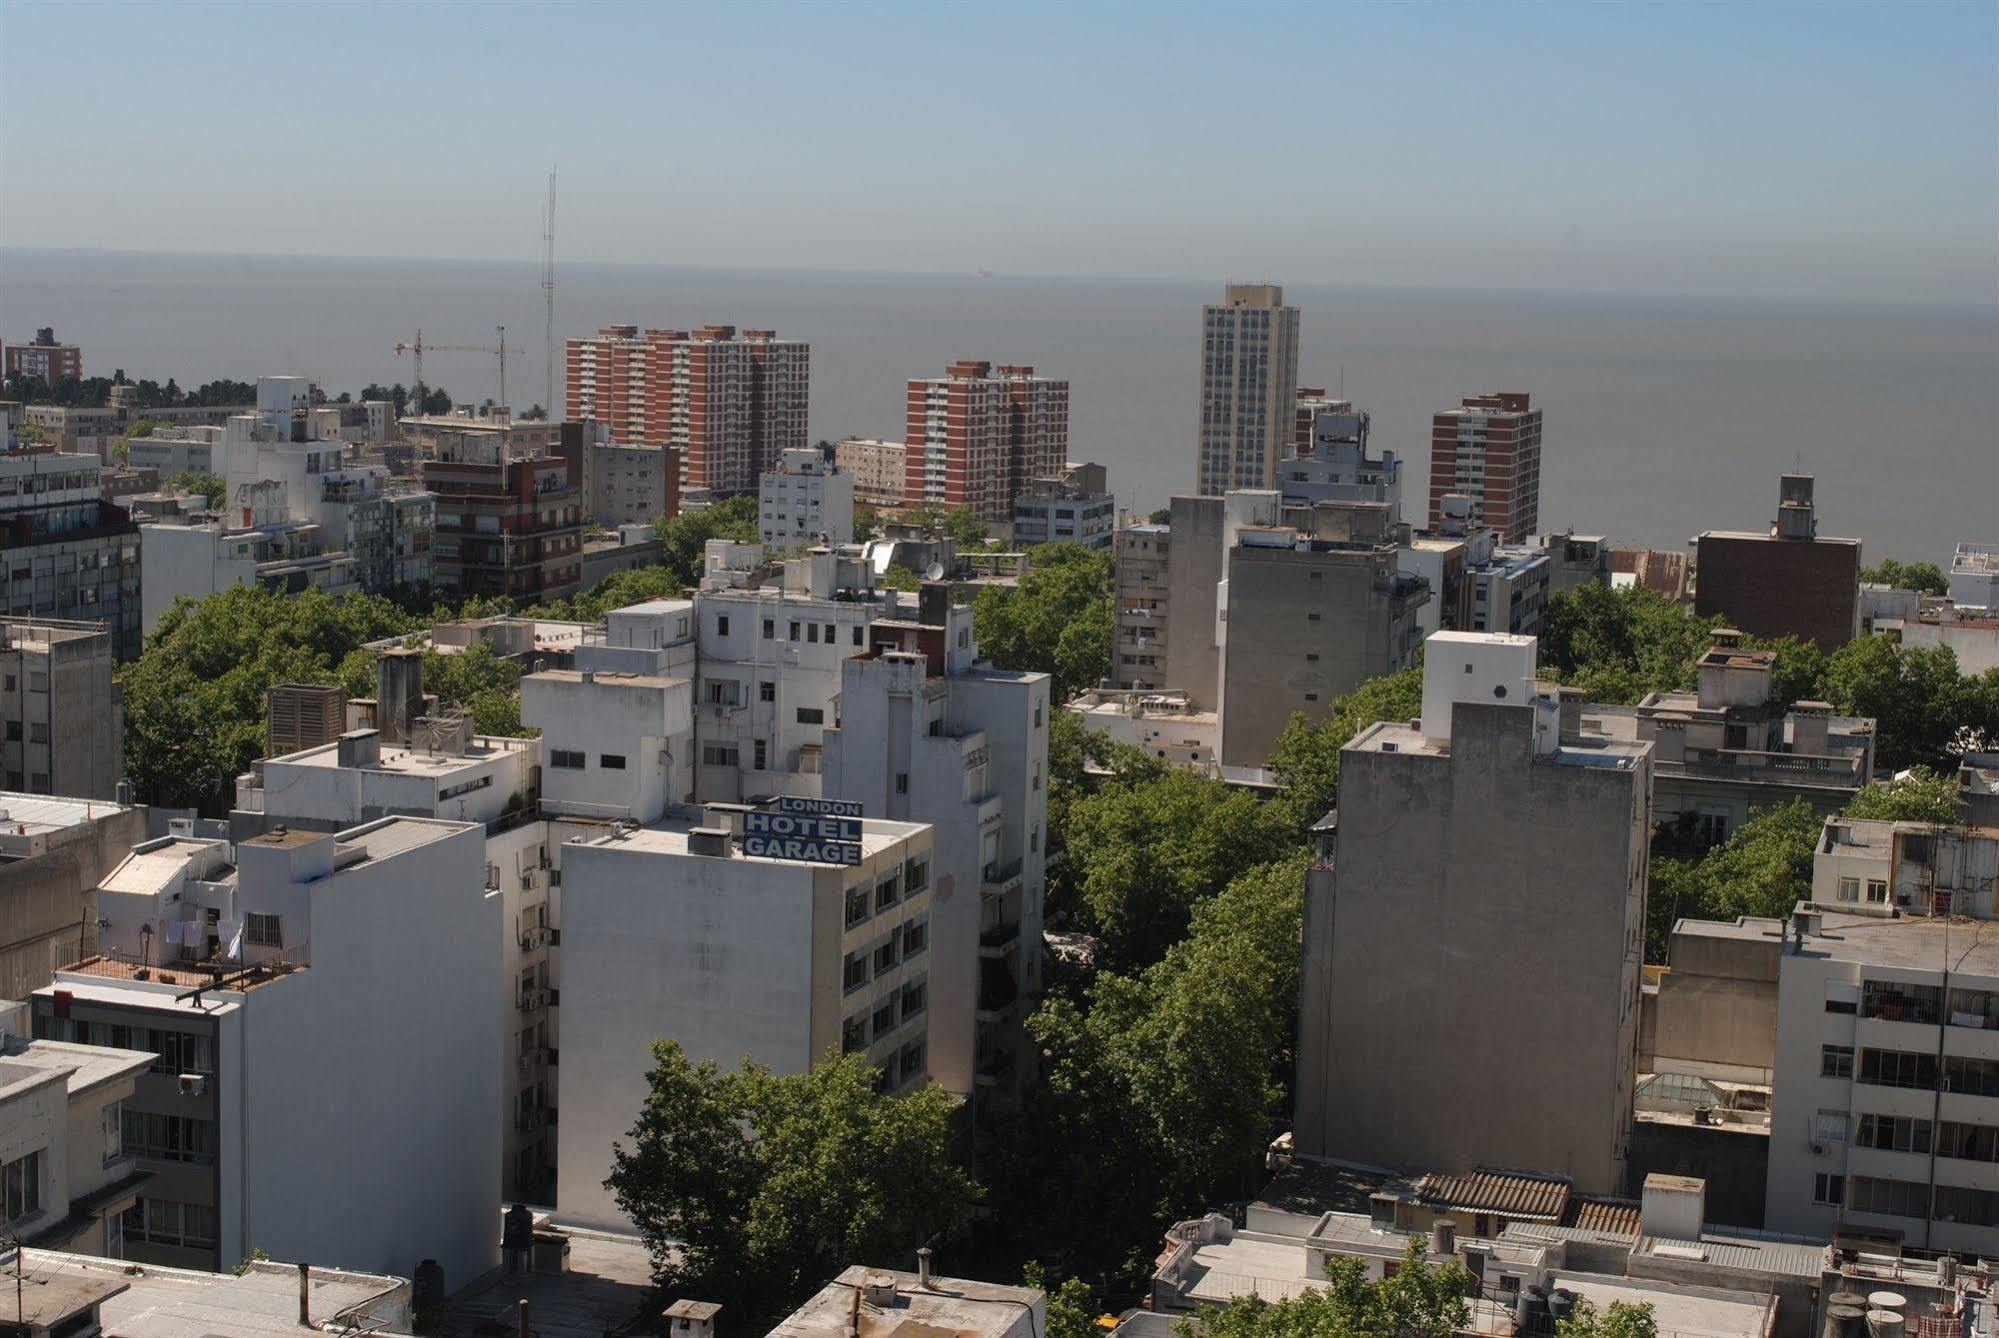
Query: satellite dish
x,y
935,573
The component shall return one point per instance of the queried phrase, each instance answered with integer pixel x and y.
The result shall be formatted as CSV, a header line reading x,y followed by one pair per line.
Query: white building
x,y
880,1300
673,930
181,450
329,1067
1074,507
1885,1103
199,554
66,1177
928,734
807,499
1249,381
616,745
1974,577
1162,723
1335,466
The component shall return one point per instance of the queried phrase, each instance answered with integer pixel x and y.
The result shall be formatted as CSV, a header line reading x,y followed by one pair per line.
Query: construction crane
x,y
417,348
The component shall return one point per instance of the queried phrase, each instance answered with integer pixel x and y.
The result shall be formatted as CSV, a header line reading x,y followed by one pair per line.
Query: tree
x,y
1799,673
1923,796
1058,619
194,699
1072,1308
1163,516
433,401
1306,759
1764,868
867,524
1924,710
1622,1320
1927,577
1618,645
215,490
683,539
479,680
1418,1300
1146,852
750,1188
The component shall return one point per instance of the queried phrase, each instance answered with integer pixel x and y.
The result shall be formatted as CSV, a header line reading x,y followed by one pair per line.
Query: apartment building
x,y
67,1180
1310,402
630,485
729,404
927,734
1479,929
805,498
975,436
1790,581
507,525
1509,585
295,1106
1973,581
1310,607
1732,747
62,715
880,469
1329,460
1144,606
44,356
52,852
65,552
1575,560
737,944
1489,448
1073,507
188,551
1249,379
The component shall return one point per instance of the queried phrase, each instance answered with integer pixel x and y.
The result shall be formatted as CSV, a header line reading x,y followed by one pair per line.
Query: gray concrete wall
x,y
1717,1004
1733,1161
48,902
1194,570
1304,628
1478,999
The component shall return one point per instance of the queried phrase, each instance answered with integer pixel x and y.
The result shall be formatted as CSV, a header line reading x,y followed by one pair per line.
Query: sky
x,y
1812,150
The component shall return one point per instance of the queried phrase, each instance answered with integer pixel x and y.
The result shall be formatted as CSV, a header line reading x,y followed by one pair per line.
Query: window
x,y
853,1035
611,761
1891,1198
760,757
38,732
171,1222
770,629
857,905
1877,892
885,1020
1972,1077
902,782
1831,1127
812,633
1898,1068
888,893
1961,1203
1835,1061
886,956
915,998
721,624
855,972
916,875
794,631
915,935
859,634
1829,1189
182,1138
1849,889
718,755
1968,1142
910,1061
21,1187
767,691
566,759
1893,1001
1892,1133
829,633
263,931
811,715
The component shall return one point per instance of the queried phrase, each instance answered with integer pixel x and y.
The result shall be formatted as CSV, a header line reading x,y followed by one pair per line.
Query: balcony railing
x,y
998,873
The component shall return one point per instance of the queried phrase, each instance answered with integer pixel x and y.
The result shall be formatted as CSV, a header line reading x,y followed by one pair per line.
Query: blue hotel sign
x,y
809,838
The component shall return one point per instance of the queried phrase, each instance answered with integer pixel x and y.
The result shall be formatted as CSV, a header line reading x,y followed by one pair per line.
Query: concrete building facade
x,y
1489,448
1789,581
1073,507
44,356
880,469
52,853
62,714
65,552
507,526
1329,461
328,1050
1139,646
977,435
1471,965
1249,380
805,498
630,485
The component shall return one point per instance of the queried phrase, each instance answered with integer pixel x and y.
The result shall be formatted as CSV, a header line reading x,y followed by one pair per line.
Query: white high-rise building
x,y
1249,381
805,499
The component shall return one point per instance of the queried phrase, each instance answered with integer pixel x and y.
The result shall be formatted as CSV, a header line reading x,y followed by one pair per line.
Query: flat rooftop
x,y
954,1306
402,761
1608,753
608,677
672,836
607,1283
147,871
1770,536
24,1064
1919,943
157,1302
40,814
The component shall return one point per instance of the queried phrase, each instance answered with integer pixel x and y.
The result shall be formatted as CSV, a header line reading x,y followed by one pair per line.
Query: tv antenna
x,y
548,291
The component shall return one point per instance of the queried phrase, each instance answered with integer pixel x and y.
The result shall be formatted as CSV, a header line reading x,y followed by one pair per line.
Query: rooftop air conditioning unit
x,y
193,1084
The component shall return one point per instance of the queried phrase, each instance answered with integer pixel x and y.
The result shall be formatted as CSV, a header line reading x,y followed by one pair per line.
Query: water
x,y
1663,416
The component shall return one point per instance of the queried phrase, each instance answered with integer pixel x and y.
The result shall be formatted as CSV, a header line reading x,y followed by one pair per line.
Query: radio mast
x,y
548,290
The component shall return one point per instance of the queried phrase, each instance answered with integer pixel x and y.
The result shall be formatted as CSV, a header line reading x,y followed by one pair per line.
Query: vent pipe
x,y
305,1296
923,1268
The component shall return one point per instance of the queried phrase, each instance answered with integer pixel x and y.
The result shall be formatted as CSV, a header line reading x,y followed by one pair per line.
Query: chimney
x,y
398,692
923,1268
1673,1206
305,1296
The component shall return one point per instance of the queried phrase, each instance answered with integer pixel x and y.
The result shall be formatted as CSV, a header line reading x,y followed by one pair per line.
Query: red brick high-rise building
x,y
730,402
977,435
42,356
1489,449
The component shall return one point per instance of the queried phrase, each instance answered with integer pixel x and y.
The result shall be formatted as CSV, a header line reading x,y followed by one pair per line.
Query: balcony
x,y
529,1121
998,991
534,937
532,1064
999,940
532,1000
1000,877
995,1070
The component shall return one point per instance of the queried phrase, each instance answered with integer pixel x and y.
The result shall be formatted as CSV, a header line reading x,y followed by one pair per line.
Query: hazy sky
x,y
1809,149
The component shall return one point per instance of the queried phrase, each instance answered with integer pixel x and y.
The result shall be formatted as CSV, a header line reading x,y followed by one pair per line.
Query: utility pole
x,y
548,291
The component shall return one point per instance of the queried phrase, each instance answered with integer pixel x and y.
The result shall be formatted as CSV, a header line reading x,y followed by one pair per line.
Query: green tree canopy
x,y
1622,1319
1058,619
1306,759
1927,577
1922,705
751,1189
1618,645
683,539
215,490
1163,516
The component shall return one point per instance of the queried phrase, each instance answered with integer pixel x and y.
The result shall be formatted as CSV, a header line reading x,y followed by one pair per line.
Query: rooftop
x,y
1975,558
1919,943
607,1281
673,836
152,866
1400,737
39,814
949,1306
406,761
1770,536
149,1301
24,1064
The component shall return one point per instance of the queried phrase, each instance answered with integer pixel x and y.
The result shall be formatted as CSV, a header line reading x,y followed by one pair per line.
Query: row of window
x,y
170,1222
913,877
1908,1198
1896,1001
177,1051
568,759
857,1032
183,1138
799,630
1903,1133
1914,1069
900,946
